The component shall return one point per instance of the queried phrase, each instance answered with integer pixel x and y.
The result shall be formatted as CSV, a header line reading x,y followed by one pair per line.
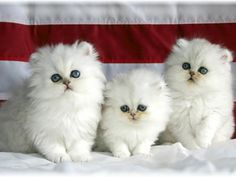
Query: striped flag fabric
x,y
126,35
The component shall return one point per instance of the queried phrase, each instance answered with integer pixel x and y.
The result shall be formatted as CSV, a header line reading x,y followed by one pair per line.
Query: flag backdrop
x,y
126,36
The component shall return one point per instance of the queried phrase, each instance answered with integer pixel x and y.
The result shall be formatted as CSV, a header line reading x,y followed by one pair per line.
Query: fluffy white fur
x,y
46,117
118,132
202,108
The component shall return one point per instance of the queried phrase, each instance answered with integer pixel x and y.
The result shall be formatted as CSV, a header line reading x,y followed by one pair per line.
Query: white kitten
x,y
58,110
199,76
136,110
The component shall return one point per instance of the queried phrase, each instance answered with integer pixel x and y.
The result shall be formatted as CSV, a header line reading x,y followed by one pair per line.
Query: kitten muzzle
x,y
67,84
191,79
191,76
133,116
192,73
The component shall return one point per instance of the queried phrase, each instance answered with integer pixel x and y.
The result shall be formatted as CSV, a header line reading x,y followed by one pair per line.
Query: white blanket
x,y
166,160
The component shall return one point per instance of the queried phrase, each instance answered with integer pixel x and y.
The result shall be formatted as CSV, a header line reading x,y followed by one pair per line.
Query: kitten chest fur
x,y
191,110
64,124
132,135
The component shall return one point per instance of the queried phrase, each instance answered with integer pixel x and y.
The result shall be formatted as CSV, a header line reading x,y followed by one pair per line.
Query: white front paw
x,y
80,152
142,149
121,154
144,153
191,145
204,143
58,157
80,157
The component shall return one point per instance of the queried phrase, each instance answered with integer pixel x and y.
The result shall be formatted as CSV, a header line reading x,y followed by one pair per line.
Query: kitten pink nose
x,y
132,114
192,73
66,82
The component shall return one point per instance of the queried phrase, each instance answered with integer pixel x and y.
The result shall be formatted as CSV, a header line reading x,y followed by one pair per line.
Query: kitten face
x,y
127,105
134,97
57,78
134,113
64,70
194,76
196,66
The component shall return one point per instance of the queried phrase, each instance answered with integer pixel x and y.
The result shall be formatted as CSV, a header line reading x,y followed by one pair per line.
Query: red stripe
x,y
115,43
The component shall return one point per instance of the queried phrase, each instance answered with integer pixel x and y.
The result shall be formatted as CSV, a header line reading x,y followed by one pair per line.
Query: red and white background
x,y
126,35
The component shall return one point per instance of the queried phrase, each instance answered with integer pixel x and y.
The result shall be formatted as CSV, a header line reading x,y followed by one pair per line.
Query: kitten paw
x,y
85,157
58,157
142,149
191,146
144,154
121,154
204,144
81,158
80,151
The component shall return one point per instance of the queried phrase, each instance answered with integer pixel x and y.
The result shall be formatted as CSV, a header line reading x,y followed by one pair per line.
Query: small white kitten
x,y
136,110
199,76
58,110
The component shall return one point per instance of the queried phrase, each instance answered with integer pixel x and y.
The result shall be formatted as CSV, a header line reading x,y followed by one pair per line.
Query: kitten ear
x,y
85,47
226,56
181,43
39,53
33,58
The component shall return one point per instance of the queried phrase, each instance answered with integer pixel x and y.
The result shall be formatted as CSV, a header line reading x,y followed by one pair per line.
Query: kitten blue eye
x,y
56,77
203,70
186,66
75,74
141,107
124,108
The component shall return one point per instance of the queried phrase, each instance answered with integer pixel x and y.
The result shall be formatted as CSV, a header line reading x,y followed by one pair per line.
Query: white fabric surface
x,y
122,13
166,160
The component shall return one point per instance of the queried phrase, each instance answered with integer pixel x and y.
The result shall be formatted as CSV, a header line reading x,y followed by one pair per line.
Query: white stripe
x,y
112,70
13,73
118,13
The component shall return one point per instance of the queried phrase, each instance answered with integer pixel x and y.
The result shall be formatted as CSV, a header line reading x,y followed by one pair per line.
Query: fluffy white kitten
x,y
199,76
58,110
136,110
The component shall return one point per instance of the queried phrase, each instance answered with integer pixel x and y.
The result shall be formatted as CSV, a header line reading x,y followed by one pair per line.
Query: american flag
x,y
126,35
